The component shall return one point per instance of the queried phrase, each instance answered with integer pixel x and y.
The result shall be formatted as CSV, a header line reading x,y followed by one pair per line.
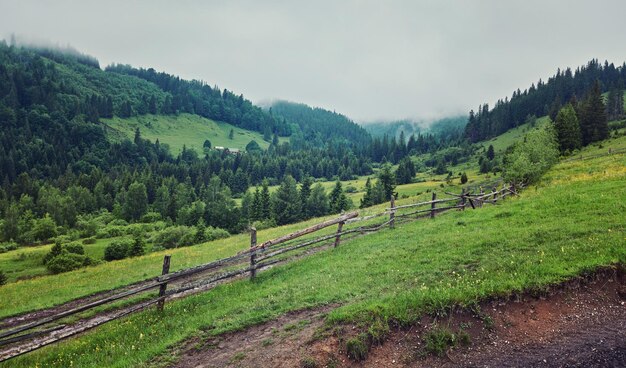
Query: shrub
x,y
214,233
174,237
151,217
265,224
3,278
118,222
75,248
357,348
532,157
44,228
86,227
6,247
67,261
118,249
137,248
91,240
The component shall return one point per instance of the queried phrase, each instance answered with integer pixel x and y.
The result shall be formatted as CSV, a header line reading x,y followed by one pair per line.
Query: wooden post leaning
x,y
338,237
163,288
392,213
252,253
463,199
432,206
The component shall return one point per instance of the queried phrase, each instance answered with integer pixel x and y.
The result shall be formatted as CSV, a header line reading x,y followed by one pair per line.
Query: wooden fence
x,y
257,257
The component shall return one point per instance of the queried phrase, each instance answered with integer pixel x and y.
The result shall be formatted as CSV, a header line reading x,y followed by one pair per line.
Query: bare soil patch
x,y
581,323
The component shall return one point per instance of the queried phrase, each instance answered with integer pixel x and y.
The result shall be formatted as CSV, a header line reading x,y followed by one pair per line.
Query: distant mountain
x,y
316,126
410,127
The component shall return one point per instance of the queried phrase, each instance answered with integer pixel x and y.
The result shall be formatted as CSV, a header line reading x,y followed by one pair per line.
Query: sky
x,y
370,60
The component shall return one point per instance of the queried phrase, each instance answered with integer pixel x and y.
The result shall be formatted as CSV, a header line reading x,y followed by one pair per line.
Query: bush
x,y
151,217
137,249
44,228
532,157
91,240
118,249
118,222
6,247
67,261
75,248
174,237
214,233
265,224
3,278
86,227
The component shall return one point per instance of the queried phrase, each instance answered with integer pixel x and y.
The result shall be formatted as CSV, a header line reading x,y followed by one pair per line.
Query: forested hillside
x,y
546,98
316,126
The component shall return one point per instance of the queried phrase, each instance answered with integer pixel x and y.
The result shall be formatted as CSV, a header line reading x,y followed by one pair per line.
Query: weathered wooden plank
x,y
163,287
308,230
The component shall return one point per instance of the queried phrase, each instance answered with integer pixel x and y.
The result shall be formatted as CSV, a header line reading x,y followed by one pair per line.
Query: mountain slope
x,y
184,130
317,126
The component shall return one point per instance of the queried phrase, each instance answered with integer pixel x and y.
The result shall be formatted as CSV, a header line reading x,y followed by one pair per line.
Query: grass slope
x,y
570,223
504,140
184,129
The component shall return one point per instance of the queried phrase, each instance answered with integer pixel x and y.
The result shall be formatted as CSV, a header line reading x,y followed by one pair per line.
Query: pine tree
x,y
256,212
491,154
200,236
338,199
265,203
593,123
387,182
231,134
305,193
463,178
318,205
568,129
367,199
286,202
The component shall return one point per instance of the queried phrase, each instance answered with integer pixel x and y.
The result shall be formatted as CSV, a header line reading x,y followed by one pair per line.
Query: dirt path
x,y
581,324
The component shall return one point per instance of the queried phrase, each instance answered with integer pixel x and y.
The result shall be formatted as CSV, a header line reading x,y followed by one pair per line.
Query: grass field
x,y
572,222
503,141
185,129
26,262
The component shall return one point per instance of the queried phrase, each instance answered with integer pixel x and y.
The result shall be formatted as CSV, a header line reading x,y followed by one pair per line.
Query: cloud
x,y
367,59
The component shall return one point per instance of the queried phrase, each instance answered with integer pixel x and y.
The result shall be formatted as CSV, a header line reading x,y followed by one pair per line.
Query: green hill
x,y
391,276
184,130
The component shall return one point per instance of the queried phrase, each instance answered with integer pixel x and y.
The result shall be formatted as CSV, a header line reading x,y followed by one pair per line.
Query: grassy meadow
x,y
571,222
184,129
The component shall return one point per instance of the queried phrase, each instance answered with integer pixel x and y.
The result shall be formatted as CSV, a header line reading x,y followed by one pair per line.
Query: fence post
x,y
463,199
482,192
392,214
338,237
432,206
495,194
252,253
163,287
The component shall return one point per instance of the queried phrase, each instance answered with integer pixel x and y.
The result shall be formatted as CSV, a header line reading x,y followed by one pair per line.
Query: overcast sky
x,y
367,59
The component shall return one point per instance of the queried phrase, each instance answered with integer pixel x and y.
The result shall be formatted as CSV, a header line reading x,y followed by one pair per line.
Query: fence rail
x,y
257,257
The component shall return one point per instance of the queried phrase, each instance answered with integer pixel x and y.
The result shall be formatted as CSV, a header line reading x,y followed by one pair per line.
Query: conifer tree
x,y
305,193
338,199
593,123
286,202
317,204
265,202
367,199
568,129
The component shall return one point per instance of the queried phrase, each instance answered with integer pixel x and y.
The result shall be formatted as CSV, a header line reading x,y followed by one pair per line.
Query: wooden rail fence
x,y
257,257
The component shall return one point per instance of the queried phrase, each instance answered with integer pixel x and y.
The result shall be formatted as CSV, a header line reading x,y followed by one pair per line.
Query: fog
x,y
369,60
